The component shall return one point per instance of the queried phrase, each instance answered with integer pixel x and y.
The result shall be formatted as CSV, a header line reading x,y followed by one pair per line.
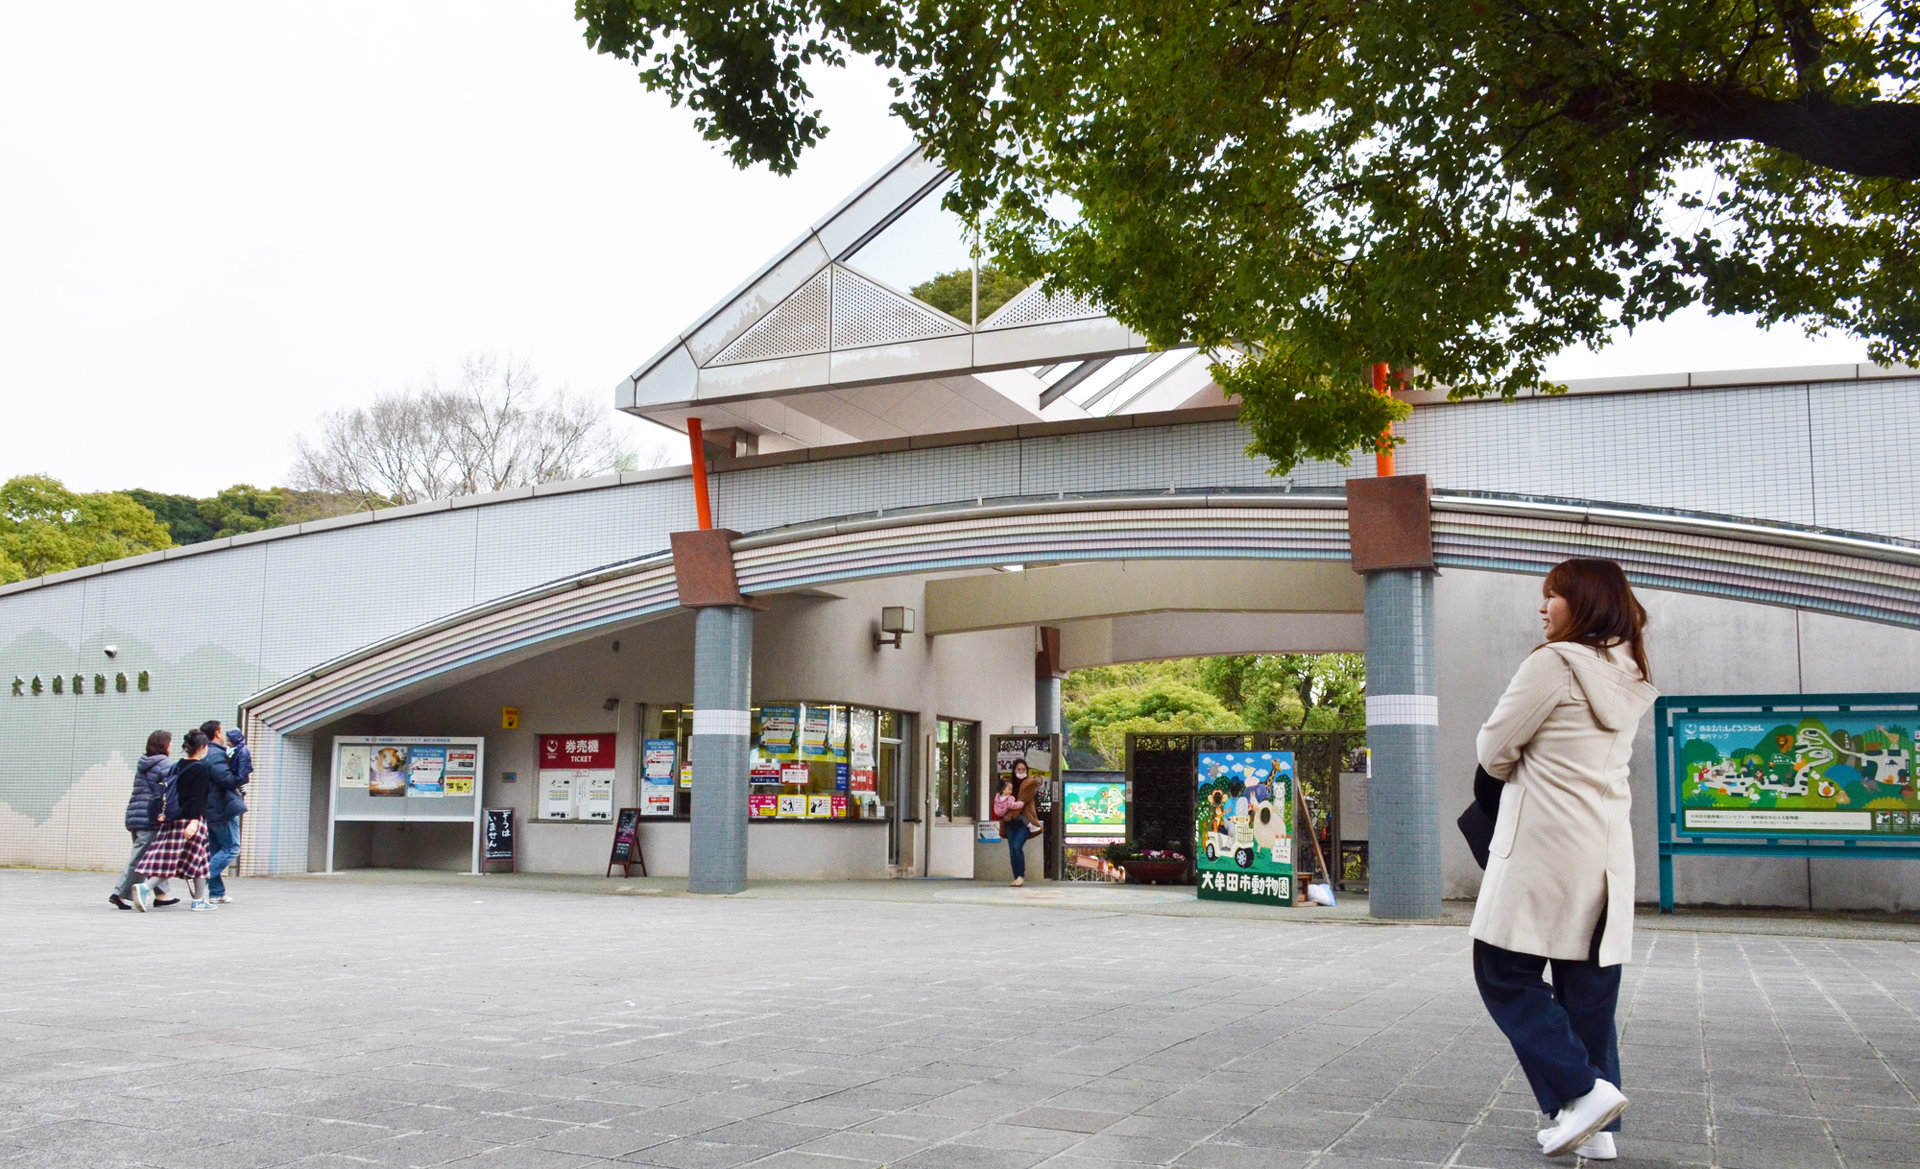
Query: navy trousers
x,y
1563,1034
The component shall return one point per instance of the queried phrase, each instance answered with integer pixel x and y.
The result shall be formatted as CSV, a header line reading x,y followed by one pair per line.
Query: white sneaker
x,y
1599,1147
1580,1120
223,899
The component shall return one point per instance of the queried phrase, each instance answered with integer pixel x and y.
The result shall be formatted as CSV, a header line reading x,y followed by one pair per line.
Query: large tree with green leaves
x,y
1460,189
46,528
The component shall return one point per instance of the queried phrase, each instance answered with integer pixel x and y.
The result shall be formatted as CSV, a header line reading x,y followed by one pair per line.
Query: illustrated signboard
x,y
762,805
656,778
1096,813
1243,826
576,776
1797,774
793,806
1794,775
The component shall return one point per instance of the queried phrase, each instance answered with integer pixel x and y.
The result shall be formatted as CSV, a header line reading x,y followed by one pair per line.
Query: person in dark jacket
x,y
224,806
180,848
145,810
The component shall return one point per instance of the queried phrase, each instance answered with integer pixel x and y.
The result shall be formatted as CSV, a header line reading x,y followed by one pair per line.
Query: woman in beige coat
x,y
1559,883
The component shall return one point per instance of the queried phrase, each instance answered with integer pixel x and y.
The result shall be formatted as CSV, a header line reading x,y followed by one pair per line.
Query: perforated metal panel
x,y
797,325
866,313
1036,307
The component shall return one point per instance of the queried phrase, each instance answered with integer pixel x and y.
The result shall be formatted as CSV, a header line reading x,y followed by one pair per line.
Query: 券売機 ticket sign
x,y
1795,775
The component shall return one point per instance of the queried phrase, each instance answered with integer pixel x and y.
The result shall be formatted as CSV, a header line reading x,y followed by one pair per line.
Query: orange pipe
x,y
1383,454
701,504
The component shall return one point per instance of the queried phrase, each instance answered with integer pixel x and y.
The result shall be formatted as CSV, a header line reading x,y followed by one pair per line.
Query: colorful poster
x,y
778,725
1243,826
356,761
686,773
813,738
389,774
820,807
842,777
426,772
862,737
762,805
1096,813
796,773
760,769
1754,775
838,807
656,777
793,806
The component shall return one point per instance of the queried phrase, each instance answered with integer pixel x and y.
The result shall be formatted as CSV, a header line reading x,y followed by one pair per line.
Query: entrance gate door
x,y
1162,771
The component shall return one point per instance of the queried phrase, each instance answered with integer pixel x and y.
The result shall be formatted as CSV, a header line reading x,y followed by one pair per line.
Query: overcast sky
x,y
219,220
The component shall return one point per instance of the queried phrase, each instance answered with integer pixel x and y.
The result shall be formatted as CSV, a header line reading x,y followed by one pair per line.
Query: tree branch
x,y
1873,140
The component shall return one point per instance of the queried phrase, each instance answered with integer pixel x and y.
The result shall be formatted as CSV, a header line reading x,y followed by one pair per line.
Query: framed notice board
x,y
405,779
1789,775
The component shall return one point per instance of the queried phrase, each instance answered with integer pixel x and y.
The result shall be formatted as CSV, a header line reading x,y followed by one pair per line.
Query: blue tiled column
x,y
1046,706
1403,807
722,676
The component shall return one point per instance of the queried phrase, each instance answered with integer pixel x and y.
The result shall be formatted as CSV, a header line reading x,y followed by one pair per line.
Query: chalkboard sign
x,y
497,844
626,843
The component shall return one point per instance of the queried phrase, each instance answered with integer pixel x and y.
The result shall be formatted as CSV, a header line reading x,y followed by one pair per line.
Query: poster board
x,y
405,779
575,776
1243,826
497,845
1796,775
656,777
626,843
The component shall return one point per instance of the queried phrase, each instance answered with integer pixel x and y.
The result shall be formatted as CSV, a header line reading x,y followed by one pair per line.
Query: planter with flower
x,y
1150,866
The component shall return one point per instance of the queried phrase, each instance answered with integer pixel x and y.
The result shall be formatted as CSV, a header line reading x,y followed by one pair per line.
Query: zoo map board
x,y
1243,826
1786,775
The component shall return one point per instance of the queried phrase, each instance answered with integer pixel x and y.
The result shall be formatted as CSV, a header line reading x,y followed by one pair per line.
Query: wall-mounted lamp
x,y
610,704
895,620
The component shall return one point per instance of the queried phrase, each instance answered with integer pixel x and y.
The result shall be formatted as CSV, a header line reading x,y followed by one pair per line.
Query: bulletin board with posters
x,y
1791,775
1243,827
409,779
574,777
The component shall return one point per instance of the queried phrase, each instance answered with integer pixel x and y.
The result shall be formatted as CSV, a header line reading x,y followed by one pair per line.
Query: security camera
x,y
113,651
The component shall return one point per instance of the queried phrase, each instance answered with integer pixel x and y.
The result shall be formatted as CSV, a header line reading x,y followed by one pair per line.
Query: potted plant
x,y
1149,866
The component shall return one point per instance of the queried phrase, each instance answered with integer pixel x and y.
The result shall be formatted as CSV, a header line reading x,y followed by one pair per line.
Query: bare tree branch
x,y
492,429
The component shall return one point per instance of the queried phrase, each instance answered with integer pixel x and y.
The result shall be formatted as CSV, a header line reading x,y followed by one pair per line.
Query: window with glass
x,y
956,751
807,760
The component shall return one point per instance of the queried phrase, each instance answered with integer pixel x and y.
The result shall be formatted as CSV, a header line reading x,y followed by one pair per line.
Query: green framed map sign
x,y
1786,775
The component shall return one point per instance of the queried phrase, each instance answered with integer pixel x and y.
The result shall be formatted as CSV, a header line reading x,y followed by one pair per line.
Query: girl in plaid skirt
x,y
180,850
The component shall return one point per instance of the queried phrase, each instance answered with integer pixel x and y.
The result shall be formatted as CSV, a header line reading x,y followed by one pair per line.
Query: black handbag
x,y
1476,823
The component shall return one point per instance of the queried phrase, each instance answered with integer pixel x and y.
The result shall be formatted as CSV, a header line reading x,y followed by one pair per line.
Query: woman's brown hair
x,y
160,742
1601,608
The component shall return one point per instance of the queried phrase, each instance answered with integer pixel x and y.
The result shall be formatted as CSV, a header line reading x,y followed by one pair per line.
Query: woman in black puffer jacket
x,y
145,810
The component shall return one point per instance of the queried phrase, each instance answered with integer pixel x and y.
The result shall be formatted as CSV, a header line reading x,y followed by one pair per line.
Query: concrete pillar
x,y
1390,530
722,677
1403,725
1047,673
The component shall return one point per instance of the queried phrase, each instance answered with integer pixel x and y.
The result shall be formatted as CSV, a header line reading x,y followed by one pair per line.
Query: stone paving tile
x,y
398,1024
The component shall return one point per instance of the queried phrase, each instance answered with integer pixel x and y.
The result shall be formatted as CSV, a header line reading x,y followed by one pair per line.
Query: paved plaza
x,y
495,1023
